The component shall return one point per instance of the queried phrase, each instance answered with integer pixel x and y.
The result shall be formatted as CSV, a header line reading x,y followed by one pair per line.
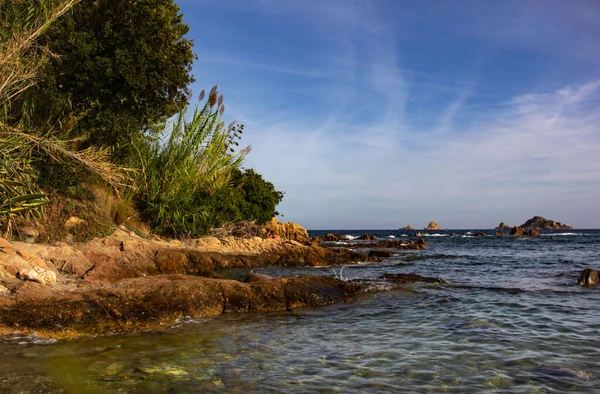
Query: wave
x,y
433,235
391,236
560,234
351,237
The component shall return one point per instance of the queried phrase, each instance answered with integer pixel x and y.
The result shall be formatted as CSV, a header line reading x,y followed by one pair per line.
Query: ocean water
x,y
509,319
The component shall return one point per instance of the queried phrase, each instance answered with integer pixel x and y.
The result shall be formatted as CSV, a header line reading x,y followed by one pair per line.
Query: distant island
x,y
537,223
540,223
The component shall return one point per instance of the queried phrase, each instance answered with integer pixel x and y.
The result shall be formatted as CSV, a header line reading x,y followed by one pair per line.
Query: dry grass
x,y
245,229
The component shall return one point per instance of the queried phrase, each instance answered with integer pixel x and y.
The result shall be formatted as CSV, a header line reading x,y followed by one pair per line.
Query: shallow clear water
x,y
510,319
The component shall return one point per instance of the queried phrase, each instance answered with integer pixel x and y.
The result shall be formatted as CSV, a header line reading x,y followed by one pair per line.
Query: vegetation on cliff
x,y
86,93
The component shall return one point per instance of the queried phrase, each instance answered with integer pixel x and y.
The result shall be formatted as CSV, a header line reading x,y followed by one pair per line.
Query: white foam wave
x,y
433,235
560,234
351,237
391,236
404,235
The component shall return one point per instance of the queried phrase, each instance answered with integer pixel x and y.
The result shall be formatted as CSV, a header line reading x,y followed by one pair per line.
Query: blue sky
x,y
383,113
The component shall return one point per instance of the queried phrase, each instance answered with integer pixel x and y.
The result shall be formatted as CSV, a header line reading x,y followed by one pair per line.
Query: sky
x,y
377,114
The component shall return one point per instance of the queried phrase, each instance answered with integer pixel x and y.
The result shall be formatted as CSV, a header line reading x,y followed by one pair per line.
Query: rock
x,y
410,278
588,277
419,234
453,234
407,228
502,226
288,230
29,234
517,230
73,221
499,234
332,238
5,245
38,274
532,233
432,226
380,253
148,303
253,278
367,237
480,234
3,290
540,223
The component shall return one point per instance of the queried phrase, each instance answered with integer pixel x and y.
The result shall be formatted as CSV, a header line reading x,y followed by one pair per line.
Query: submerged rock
x,y
588,277
411,278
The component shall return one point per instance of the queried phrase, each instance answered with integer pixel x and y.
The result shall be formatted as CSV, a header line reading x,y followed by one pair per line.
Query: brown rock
x,y
502,226
588,277
367,237
517,230
432,226
480,234
407,228
380,253
288,230
147,303
499,234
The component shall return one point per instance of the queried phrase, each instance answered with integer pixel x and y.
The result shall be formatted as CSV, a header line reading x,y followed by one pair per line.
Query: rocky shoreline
x,y
123,283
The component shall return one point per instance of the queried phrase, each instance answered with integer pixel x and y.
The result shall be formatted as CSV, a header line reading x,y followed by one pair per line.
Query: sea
x,y
508,318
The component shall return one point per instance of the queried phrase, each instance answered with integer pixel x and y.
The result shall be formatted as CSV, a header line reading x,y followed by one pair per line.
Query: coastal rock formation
x,y
290,230
588,277
367,237
432,226
407,228
519,230
502,226
329,237
480,234
380,253
540,223
391,244
499,233
140,304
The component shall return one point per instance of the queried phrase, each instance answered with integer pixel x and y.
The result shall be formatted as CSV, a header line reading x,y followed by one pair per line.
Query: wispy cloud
x,y
380,114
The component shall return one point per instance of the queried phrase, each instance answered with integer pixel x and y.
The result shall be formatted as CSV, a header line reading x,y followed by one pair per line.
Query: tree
x,y
248,197
123,65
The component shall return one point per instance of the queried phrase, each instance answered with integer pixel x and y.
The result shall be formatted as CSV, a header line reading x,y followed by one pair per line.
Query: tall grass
x,y
22,59
190,158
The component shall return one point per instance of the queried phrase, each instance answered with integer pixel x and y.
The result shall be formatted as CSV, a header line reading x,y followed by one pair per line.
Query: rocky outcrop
x,y
140,304
329,237
407,228
380,253
519,230
540,223
588,277
115,283
480,234
502,226
499,233
290,230
367,237
390,244
432,226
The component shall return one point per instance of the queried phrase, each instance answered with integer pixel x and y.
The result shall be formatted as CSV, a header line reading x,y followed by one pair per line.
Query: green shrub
x,y
189,158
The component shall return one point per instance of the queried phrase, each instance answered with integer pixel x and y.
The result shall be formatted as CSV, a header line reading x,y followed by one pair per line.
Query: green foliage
x,y
189,158
23,142
123,65
248,197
